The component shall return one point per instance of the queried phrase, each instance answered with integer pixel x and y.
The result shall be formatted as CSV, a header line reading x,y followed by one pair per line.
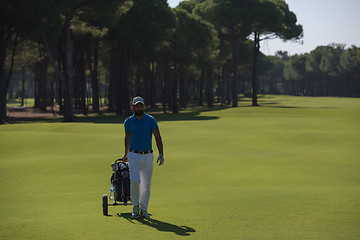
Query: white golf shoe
x,y
136,212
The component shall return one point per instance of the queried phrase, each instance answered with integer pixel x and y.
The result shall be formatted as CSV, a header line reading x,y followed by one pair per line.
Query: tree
x,y
275,75
203,52
182,48
271,19
264,66
89,29
322,65
295,73
151,21
135,40
350,66
330,66
230,19
8,20
47,20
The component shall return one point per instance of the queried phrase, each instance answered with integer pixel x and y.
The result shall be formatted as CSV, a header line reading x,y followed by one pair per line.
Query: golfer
x,y
138,152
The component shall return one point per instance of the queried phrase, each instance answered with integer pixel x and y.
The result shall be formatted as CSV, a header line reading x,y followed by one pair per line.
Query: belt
x,y
141,152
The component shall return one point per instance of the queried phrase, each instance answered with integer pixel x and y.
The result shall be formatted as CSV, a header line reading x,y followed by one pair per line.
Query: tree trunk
x,y
153,94
12,62
147,81
81,82
182,86
225,83
201,87
117,82
68,70
175,90
235,52
164,87
5,36
120,73
68,107
95,81
209,89
40,84
219,86
3,84
111,88
126,80
255,60
23,86
60,83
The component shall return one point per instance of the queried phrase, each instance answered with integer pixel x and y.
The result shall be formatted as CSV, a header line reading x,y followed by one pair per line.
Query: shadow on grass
x,y
272,102
192,113
160,225
189,114
185,116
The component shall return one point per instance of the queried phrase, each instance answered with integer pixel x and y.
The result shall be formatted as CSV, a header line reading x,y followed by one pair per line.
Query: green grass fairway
x,y
289,169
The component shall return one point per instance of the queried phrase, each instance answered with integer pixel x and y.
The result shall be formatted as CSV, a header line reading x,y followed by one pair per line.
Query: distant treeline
x,y
77,52
326,71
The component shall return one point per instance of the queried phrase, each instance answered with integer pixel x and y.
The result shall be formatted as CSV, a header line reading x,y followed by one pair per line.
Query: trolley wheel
x,y
105,204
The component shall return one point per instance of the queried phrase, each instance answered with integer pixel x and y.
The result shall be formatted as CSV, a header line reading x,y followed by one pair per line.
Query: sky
x,y
324,22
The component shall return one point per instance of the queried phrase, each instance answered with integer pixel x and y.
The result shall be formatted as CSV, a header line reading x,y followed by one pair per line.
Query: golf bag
x,y
121,181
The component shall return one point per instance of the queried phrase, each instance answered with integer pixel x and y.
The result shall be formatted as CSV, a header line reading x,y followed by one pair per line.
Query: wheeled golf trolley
x,y
120,186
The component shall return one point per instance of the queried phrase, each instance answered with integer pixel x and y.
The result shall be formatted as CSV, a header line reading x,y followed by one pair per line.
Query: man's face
x,y
139,109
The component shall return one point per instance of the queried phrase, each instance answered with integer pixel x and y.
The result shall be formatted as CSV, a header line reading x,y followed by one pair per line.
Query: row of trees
x,y
326,71
143,47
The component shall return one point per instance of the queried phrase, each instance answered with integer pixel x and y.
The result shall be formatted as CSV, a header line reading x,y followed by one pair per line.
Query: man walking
x,y
138,152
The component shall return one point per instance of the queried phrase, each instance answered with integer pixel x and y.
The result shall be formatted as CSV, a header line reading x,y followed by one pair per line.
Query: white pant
x,y
141,169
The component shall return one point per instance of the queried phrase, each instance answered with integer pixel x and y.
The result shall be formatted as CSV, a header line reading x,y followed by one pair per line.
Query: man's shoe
x,y
145,214
135,213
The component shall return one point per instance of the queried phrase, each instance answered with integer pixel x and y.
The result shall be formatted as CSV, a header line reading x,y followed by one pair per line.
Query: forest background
x,y
87,56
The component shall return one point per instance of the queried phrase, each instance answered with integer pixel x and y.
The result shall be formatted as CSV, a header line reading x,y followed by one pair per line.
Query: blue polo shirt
x,y
140,131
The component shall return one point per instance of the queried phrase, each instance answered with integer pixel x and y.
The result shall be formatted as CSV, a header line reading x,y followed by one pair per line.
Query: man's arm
x,y
127,145
158,140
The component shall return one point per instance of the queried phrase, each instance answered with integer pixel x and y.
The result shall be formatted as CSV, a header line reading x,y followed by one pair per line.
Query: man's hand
x,y
160,159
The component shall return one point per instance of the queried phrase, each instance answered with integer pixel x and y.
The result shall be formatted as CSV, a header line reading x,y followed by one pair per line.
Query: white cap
x,y
137,100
